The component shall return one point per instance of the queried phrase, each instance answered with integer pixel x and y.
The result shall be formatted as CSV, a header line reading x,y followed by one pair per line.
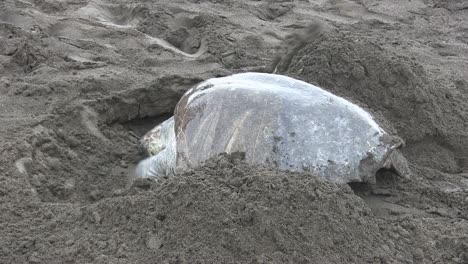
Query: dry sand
x,y
81,80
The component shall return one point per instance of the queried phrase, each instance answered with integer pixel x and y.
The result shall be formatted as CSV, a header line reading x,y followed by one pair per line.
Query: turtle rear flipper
x,y
398,163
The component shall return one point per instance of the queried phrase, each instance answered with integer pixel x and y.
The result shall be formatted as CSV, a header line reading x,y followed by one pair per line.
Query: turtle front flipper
x,y
162,164
159,144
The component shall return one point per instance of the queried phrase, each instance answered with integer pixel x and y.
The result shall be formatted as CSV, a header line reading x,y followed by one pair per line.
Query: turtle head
x,y
152,143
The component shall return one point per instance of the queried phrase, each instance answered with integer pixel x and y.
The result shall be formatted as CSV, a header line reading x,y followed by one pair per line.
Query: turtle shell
x,y
280,121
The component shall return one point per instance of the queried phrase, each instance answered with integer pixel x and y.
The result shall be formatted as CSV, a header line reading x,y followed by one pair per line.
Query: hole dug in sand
x,y
88,151
384,179
383,197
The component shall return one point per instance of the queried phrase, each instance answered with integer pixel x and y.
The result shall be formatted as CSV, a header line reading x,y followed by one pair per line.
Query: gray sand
x,y
81,81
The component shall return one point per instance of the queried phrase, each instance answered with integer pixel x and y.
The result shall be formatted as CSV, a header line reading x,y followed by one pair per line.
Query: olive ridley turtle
x,y
276,121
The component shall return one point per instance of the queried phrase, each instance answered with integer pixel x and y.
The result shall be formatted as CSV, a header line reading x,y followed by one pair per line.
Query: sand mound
x,y
397,87
227,212
224,212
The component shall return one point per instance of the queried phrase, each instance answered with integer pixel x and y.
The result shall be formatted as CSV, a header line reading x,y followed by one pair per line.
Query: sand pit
x,y
81,81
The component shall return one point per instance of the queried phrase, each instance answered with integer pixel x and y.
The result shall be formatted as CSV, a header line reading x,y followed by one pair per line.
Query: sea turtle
x,y
274,120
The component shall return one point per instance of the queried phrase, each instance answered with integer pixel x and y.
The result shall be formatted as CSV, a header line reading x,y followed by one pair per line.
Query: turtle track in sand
x,y
127,18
